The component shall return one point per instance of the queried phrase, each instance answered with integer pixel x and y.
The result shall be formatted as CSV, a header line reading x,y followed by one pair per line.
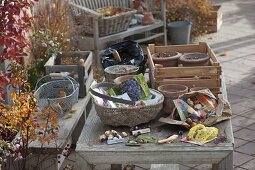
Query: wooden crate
x,y
214,20
199,76
81,72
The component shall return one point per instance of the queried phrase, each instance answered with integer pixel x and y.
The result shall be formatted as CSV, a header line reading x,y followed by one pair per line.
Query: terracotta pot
x,y
148,18
167,59
136,4
194,59
171,92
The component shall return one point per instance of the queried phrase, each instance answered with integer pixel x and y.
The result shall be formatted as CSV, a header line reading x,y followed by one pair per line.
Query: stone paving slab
x,y
250,165
250,115
237,128
245,134
251,127
237,109
248,148
242,121
240,158
239,142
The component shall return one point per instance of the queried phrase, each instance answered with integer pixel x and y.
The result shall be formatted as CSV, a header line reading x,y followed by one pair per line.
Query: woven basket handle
x,y
109,85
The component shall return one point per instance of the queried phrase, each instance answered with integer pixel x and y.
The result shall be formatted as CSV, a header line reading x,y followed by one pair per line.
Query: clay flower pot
x,y
194,59
167,59
171,92
148,18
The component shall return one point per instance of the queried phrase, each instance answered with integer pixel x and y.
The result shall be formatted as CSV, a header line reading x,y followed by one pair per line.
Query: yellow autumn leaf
x,y
67,116
73,111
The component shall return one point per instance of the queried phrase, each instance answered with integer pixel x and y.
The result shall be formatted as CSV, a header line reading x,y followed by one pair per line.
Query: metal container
x,y
115,71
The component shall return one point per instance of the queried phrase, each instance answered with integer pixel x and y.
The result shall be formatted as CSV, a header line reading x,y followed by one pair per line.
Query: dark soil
x,y
164,55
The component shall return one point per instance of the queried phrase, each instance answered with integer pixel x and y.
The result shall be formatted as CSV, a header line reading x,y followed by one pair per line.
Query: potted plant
x,y
50,35
181,13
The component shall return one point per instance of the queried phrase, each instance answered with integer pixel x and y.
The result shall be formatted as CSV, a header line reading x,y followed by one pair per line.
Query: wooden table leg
x,y
225,164
115,166
82,163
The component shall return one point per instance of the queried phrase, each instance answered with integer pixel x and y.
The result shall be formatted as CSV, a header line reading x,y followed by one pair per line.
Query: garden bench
x,y
88,7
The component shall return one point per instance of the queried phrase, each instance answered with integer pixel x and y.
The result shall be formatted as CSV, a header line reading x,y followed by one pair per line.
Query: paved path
x,y
236,42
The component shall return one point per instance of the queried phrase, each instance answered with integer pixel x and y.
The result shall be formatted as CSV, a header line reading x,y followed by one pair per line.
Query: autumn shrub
x,y
50,34
195,11
15,24
20,122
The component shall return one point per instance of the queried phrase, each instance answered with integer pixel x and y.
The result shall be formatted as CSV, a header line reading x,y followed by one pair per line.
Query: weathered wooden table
x,y
91,151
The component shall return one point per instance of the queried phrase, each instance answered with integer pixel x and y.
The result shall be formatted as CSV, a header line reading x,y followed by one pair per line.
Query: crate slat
x,y
214,20
201,47
192,83
170,72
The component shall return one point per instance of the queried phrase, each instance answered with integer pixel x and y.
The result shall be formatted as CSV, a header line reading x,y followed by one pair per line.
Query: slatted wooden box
x,y
214,20
198,76
81,71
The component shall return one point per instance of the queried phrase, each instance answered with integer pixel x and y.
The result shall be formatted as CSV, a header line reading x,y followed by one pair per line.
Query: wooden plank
x,y
150,37
163,6
214,21
116,167
88,64
226,163
212,56
131,31
191,83
82,163
215,11
89,81
151,49
169,72
87,10
67,127
151,66
201,47
164,167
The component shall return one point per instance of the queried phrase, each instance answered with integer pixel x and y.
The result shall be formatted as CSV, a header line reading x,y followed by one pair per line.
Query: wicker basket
x,y
129,116
107,25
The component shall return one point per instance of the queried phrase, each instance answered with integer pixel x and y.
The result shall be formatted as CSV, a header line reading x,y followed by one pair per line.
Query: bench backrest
x,y
94,4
